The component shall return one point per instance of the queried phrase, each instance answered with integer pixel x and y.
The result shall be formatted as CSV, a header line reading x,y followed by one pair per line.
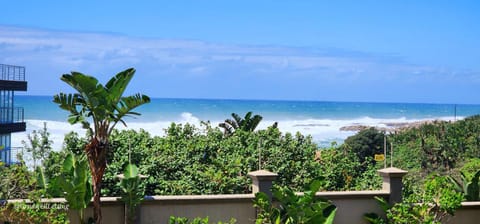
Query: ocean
x,y
321,120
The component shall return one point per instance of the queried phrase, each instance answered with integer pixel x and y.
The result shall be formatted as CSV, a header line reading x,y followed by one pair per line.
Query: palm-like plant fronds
x,y
104,106
248,123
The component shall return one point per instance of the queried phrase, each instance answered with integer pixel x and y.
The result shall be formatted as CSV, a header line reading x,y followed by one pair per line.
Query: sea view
x,y
241,112
321,120
248,112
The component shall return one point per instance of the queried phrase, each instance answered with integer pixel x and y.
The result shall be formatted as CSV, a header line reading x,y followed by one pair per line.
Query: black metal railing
x,y
10,115
12,72
15,153
11,155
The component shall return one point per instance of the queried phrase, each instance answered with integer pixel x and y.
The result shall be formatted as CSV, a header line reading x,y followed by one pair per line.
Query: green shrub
x,y
16,181
468,186
293,208
36,212
470,168
437,201
191,160
183,220
365,144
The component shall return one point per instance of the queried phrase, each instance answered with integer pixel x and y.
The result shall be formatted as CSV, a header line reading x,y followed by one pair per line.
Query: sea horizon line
x,y
290,100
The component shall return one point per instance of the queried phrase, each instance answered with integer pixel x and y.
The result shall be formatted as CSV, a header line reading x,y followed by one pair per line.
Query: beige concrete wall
x,y
112,211
469,213
351,205
216,207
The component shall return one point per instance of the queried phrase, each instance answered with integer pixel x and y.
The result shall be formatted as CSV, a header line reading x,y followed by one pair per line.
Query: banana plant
x,y
133,192
42,182
374,218
469,187
74,183
99,108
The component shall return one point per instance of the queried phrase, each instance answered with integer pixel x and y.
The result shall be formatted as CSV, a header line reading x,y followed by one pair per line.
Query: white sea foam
x,y
323,131
56,129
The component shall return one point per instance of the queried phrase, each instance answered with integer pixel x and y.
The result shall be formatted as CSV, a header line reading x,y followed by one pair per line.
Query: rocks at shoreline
x,y
390,126
354,128
311,125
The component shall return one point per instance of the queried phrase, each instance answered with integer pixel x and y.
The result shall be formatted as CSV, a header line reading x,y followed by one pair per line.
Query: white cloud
x,y
78,48
50,53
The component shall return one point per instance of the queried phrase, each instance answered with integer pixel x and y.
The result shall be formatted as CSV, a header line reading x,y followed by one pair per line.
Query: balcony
x,y
12,72
12,78
11,115
10,155
12,120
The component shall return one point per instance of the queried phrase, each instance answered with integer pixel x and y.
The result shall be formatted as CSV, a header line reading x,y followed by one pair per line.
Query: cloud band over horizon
x,y
177,68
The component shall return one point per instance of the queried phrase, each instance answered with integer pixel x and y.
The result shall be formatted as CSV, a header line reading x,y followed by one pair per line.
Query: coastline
x,y
323,131
393,126
326,122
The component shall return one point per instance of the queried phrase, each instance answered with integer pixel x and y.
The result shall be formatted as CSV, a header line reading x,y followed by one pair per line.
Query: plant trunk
x,y
96,153
81,216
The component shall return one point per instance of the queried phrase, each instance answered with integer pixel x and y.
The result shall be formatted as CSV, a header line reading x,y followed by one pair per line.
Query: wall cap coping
x,y
349,194
122,176
352,193
468,204
199,197
263,175
226,197
61,200
152,198
232,196
392,172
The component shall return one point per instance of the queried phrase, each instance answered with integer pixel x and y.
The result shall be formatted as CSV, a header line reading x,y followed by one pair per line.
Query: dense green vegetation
x,y
198,220
33,213
202,160
191,160
435,204
440,147
38,145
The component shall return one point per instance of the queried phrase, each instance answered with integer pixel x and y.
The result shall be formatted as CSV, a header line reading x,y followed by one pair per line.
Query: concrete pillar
x,y
392,182
262,181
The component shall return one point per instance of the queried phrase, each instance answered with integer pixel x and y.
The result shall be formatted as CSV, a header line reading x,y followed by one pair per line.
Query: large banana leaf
x,y
133,191
104,104
74,182
42,181
127,104
84,84
131,171
117,85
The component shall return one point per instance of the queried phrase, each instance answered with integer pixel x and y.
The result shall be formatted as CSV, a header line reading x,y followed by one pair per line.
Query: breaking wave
x,y
323,131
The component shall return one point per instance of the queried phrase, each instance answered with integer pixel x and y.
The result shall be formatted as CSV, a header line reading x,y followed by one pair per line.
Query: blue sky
x,y
376,51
